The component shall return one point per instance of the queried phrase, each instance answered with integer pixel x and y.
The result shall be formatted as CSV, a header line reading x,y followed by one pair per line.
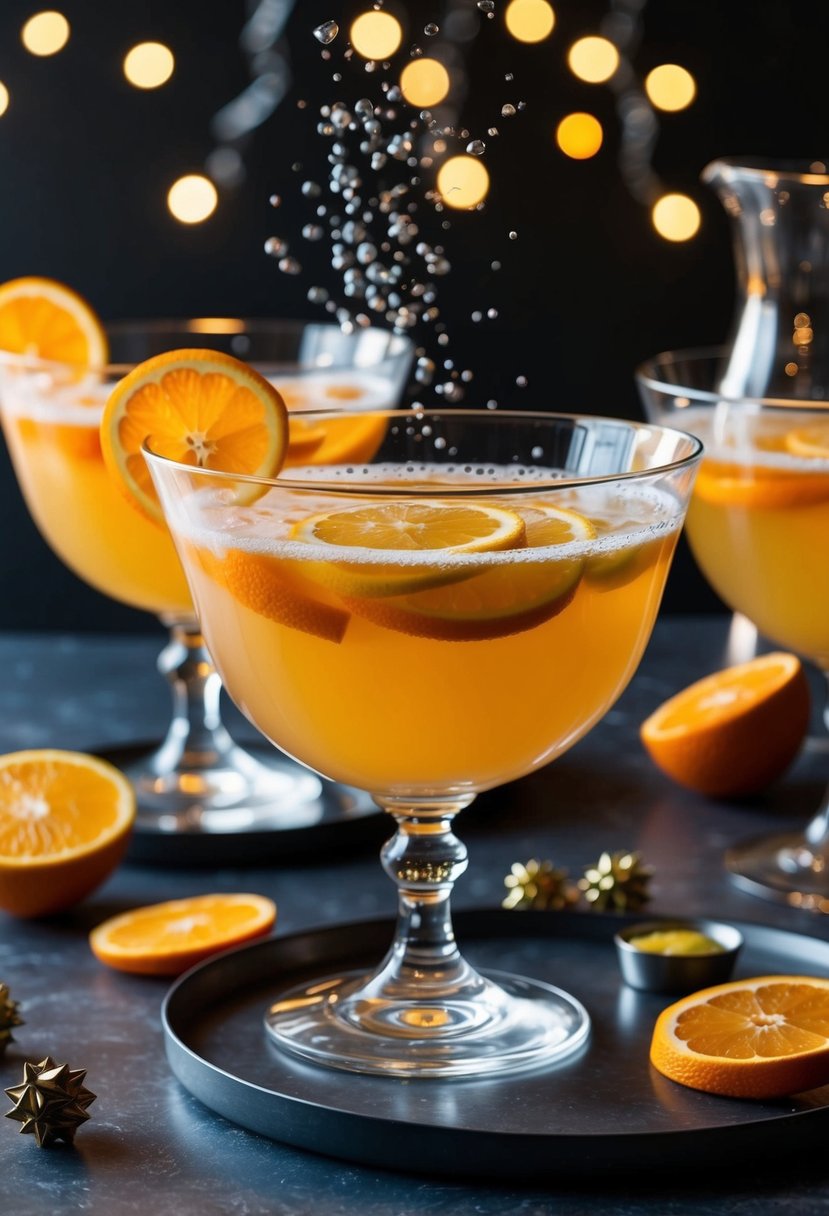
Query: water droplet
x,y
476,147
275,200
492,131
440,443
326,32
311,190
522,382
477,316
513,236
492,404
492,313
508,76
507,110
495,265
317,295
522,105
275,246
431,29
290,266
313,232
486,6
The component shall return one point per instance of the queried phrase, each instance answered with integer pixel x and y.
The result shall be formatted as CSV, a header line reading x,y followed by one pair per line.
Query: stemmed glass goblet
x,y
757,526
198,781
442,617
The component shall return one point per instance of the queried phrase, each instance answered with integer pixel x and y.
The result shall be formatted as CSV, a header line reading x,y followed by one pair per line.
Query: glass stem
x,y
196,738
423,859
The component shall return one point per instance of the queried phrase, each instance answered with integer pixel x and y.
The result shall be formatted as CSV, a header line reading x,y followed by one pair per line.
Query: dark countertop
x,y
150,1146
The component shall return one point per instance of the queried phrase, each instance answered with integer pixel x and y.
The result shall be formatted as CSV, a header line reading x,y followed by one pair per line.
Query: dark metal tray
x,y
604,1108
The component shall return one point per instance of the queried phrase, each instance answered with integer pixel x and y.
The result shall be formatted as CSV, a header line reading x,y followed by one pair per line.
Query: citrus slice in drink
x,y
431,528
167,938
810,441
199,407
733,732
759,486
274,588
498,597
755,1038
42,318
65,820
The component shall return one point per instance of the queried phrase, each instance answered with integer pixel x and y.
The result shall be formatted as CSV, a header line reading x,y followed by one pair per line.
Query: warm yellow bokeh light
x,y
424,82
676,217
670,87
462,182
46,33
530,20
4,98
149,65
192,198
593,59
579,136
375,35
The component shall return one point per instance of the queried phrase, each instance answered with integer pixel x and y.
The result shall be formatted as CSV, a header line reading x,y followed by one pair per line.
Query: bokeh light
x,y
4,98
149,65
192,198
424,82
670,87
579,136
46,33
462,182
530,20
593,59
375,35
676,217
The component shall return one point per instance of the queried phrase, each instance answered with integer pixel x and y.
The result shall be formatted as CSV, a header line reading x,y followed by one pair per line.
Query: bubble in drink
x,y
326,32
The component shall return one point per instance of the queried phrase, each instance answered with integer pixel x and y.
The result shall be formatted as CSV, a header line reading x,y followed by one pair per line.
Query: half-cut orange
x,y
167,938
199,407
735,731
755,1038
65,819
42,318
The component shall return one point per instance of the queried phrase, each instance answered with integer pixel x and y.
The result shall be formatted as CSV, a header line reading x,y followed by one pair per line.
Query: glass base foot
x,y
781,868
512,1024
251,790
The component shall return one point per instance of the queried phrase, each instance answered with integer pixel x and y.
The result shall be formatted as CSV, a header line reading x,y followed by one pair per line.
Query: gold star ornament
x,y
51,1102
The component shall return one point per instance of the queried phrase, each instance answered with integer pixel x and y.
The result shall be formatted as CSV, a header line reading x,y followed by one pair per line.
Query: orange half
x,y
42,318
198,407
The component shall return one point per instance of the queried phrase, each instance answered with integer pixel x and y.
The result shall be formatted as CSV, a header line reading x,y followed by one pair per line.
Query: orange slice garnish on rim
x,y
754,1038
65,820
199,407
42,318
726,483
167,938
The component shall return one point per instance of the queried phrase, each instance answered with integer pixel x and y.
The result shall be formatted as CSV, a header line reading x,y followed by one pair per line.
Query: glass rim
x,y
647,374
220,327
761,169
365,489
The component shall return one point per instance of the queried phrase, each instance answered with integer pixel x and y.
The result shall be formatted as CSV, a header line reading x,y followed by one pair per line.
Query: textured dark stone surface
x,y
151,1147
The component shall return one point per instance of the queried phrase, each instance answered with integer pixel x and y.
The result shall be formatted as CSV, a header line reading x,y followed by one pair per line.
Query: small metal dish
x,y
677,974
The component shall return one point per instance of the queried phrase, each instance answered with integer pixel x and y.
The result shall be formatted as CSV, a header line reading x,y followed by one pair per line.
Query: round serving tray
x,y
604,1108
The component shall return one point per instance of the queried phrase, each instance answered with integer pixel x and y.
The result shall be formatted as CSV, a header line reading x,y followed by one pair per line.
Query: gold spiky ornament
x,y
51,1102
618,882
9,1018
540,885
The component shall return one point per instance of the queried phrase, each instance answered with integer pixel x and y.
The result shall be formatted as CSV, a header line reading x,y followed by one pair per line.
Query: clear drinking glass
x,y
757,526
198,779
442,617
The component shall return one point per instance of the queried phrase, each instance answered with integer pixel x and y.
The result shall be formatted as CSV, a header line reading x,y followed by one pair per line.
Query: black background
x,y
585,292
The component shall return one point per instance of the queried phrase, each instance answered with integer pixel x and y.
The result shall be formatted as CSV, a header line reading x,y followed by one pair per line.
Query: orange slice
x,y
351,439
809,441
273,588
41,317
199,407
65,820
166,939
756,1038
744,485
735,731
495,600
